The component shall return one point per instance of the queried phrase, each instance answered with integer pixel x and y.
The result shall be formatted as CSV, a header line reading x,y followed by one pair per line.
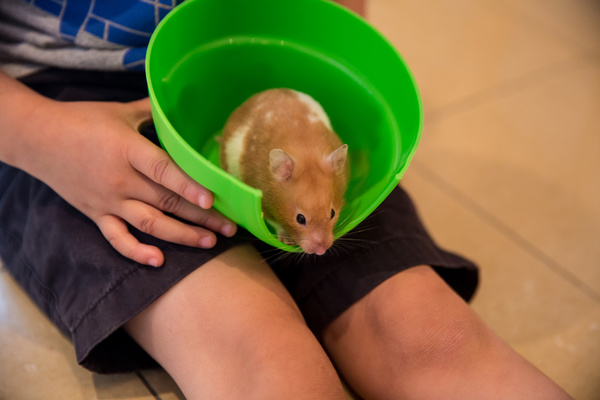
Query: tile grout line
x,y
504,89
148,386
504,229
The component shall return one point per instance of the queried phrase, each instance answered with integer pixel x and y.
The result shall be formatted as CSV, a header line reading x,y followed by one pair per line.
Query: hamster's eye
x,y
332,213
301,220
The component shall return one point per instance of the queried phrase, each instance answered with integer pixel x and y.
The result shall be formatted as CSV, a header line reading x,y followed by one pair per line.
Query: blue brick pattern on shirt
x,y
74,15
52,6
133,59
131,16
126,22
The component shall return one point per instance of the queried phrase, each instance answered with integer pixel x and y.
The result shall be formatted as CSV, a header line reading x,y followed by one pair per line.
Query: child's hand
x,y
92,155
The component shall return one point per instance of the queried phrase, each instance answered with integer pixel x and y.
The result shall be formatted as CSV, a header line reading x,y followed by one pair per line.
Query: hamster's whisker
x,y
341,224
370,216
351,246
249,238
337,246
355,241
297,258
376,212
349,239
334,248
363,229
278,253
349,223
271,252
301,257
285,258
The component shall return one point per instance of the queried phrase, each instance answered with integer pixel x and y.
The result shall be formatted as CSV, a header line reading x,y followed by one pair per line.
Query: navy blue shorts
x,y
89,291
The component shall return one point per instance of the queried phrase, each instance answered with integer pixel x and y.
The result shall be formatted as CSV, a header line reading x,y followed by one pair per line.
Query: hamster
x,y
281,142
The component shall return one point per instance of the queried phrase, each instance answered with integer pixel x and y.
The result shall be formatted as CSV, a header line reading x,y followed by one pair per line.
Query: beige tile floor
x,y
508,173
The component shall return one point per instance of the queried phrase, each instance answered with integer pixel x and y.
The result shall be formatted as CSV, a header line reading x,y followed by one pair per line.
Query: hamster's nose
x,y
320,250
320,245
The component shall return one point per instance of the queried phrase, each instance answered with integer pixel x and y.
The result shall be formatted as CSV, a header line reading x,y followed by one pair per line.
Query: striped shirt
x,y
108,35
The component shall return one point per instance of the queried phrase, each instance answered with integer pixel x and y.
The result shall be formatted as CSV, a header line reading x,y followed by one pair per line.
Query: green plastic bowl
x,y
208,56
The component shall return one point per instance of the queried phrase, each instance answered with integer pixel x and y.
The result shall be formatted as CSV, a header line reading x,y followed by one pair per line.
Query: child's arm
x,y
92,155
358,6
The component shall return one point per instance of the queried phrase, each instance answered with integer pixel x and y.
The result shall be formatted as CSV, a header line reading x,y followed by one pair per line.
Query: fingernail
x,y
203,201
227,230
206,242
153,262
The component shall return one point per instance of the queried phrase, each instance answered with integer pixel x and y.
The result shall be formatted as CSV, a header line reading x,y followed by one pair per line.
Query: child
x,y
123,252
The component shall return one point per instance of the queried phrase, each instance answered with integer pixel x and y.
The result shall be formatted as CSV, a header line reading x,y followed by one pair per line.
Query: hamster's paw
x,y
285,237
282,235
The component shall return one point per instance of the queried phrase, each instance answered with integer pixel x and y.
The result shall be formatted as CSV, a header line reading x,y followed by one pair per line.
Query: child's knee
x,y
282,359
426,324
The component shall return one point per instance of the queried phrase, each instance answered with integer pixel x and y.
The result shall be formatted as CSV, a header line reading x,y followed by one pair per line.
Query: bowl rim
x,y
267,236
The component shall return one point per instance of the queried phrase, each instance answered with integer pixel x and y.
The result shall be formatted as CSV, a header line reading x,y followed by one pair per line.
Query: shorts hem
x,y
460,274
93,334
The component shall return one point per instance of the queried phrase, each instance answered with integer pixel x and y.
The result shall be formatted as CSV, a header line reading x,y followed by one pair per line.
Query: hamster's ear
x,y
282,165
337,159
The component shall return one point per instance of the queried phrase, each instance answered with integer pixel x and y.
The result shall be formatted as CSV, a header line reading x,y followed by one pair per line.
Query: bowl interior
x,y
203,62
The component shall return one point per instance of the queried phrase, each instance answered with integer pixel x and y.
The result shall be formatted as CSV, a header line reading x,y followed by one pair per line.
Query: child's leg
x,y
412,337
230,330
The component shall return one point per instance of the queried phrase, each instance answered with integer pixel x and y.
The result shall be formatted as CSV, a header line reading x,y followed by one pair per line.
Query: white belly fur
x,y
234,148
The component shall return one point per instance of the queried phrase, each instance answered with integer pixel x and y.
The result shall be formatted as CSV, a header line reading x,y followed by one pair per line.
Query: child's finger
x,y
149,220
170,202
156,164
115,231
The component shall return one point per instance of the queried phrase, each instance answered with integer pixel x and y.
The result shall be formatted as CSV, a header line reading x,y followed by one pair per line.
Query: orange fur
x,y
314,187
